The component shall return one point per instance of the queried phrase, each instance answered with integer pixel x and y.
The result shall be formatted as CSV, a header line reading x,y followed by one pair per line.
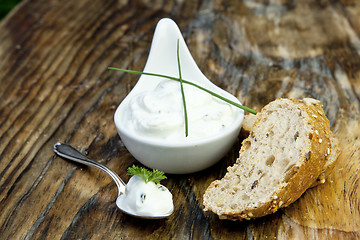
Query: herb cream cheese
x,y
159,114
145,199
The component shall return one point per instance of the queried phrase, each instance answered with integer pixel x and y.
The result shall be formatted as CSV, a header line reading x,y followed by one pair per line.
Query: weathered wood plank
x,y
55,86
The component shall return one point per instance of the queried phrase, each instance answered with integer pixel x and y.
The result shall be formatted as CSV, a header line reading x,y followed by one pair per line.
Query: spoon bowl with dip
x,y
150,120
130,200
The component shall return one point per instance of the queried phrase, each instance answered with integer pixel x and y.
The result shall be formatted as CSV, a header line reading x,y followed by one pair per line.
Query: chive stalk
x,y
182,92
190,83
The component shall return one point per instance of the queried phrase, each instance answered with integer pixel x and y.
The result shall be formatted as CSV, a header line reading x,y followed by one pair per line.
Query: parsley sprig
x,y
148,176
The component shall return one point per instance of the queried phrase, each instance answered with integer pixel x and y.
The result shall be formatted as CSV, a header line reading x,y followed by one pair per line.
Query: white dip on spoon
x,y
143,196
145,199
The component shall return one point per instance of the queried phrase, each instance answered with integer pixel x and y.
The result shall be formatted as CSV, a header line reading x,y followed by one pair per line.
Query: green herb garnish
x,y
181,80
182,92
148,176
190,83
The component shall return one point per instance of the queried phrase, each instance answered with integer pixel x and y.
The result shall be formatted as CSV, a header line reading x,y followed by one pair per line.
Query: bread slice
x,y
283,156
248,125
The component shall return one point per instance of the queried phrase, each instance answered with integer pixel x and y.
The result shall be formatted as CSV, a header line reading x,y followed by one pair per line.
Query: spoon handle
x,y
69,152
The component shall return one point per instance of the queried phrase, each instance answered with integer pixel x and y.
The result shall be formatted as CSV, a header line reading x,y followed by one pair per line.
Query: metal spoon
x,y
69,152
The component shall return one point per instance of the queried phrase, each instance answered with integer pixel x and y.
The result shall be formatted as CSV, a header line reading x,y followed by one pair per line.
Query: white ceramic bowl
x,y
175,156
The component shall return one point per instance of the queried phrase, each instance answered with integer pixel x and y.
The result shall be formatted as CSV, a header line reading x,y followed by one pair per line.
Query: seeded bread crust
x,y
331,159
264,178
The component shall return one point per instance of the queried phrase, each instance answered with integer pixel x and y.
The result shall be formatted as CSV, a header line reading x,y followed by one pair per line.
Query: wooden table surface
x,y
55,86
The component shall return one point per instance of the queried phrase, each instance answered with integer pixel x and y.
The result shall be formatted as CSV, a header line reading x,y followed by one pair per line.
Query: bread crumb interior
x,y
269,161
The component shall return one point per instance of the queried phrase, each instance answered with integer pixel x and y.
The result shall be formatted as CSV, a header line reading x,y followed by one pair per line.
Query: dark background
x,y
6,6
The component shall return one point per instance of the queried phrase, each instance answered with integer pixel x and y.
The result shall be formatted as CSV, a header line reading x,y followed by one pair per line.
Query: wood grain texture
x,y
55,86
